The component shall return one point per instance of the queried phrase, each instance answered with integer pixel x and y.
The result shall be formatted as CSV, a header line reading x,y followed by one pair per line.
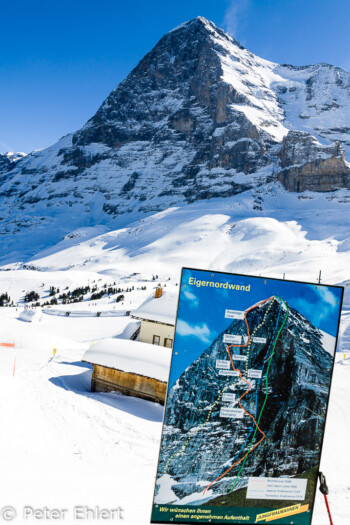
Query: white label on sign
x,y
228,397
228,373
234,314
239,357
259,339
255,373
233,339
245,339
221,363
231,412
277,488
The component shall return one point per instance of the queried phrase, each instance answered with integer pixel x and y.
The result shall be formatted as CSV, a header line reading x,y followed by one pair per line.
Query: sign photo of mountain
x,y
247,399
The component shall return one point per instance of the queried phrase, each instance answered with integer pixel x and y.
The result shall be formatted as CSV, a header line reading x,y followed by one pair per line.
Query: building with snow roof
x,y
130,367
157,315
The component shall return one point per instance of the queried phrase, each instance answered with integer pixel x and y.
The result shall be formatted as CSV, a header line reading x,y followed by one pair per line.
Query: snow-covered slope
x,y
65,446
292,236
316,100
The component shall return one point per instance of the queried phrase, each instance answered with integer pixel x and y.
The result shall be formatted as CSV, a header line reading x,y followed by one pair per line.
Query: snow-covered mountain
x,y
200,117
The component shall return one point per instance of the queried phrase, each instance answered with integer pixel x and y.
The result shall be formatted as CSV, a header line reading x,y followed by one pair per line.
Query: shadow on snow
x,y
81,384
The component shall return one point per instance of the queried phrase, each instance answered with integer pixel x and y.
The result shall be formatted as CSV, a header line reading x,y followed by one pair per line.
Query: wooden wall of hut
x,y
108,380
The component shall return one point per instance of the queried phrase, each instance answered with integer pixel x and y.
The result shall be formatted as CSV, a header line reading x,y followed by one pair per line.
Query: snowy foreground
x,y
64,446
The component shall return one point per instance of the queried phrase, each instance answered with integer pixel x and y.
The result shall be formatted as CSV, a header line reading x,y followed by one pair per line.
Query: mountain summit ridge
x,y
199,117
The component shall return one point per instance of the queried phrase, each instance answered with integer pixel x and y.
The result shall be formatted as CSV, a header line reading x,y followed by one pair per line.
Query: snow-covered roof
x,y
30,315
131,356
161,310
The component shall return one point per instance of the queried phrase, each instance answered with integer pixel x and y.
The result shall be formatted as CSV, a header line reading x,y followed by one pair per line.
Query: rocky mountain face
x,y
199,117
8,161
200,448
307,165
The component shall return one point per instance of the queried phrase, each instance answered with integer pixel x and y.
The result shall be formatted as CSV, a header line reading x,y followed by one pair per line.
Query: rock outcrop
x,y
309,165
329,174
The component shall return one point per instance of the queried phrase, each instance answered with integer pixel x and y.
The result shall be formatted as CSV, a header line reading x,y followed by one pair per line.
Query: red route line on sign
x,y
242,396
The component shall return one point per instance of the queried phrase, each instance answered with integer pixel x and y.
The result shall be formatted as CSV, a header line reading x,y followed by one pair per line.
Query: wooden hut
x,y
130,367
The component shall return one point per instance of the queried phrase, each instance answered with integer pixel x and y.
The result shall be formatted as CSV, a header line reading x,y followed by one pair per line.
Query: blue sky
x,y
201,313
59,60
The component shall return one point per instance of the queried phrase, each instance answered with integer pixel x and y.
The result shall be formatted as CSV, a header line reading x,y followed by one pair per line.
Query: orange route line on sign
x,y
242,396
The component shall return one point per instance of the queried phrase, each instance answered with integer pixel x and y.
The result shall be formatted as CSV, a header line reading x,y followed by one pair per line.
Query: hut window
x,y
168,342
156,340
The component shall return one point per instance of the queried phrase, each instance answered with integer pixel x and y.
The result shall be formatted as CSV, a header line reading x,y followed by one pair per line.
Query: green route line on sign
x,y
267,385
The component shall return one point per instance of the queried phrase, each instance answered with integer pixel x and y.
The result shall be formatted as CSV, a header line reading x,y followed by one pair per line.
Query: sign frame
x,y
263,278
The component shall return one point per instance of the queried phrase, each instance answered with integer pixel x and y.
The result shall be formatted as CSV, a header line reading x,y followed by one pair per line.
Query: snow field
x,y
64,446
